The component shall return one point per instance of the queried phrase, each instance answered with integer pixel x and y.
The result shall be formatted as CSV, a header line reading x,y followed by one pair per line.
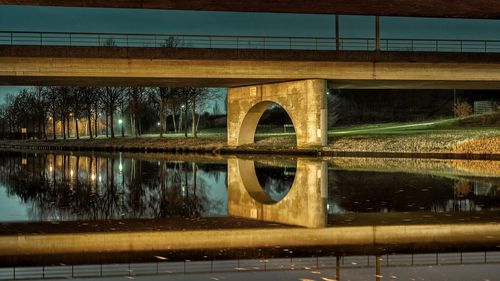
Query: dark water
x,y
50,187
69,193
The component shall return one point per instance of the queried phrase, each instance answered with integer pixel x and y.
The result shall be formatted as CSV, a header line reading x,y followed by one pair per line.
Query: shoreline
x,y
215,147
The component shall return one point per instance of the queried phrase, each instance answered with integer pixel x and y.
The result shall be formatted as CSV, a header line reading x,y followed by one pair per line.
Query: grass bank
x,y
469,136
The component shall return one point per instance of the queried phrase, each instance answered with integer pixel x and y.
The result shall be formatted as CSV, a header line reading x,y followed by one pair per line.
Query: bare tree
x,y
51,97
111,98
136,97
88,97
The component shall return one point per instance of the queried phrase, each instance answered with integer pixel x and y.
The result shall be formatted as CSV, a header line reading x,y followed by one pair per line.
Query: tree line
x,y
51,112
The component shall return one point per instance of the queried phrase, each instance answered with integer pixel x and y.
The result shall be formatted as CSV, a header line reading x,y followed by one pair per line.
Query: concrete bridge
x,y
482,9
292,72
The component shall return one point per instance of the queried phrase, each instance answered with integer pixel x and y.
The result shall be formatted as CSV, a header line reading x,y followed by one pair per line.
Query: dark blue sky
x,y
160,21
25,18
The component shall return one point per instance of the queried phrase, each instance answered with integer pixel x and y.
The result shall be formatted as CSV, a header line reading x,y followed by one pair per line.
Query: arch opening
x,y
268,123
267,182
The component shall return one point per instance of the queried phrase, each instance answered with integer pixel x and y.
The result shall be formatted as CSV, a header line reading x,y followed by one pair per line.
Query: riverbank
x,y
436,146
444,139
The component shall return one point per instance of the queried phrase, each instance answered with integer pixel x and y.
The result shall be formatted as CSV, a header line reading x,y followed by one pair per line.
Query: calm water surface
x,y
78,189
61,187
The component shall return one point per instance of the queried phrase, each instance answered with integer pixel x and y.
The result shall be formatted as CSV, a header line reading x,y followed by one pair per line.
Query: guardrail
x,y
244,42
160,267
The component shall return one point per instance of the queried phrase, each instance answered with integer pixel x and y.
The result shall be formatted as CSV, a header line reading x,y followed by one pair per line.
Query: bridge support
x,y
304,205
304,101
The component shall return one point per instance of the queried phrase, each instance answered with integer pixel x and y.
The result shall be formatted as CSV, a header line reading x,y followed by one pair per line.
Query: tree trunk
x,y
132,126
44,128
112,124
96,121
193,114
107,124
89,121
54,126
198,122
185,121
162,117
63,126
68,123
173,119
140,126
76,129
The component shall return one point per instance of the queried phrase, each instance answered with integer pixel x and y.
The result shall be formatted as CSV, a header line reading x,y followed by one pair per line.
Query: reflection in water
x,y
365,191
87,187
98,188
304,204
275,181
66,187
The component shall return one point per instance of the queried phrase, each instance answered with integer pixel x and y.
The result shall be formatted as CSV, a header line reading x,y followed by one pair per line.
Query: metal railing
x,y
244,42
65,271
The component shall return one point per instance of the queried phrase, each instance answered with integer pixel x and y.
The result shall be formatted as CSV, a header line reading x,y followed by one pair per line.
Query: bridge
x,y
289,71
483,9
292,72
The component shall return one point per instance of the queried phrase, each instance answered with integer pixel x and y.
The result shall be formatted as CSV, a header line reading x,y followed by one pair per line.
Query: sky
x,y
26,18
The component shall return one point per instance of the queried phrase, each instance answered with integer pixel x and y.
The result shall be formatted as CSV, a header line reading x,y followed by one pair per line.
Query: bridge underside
x,y
231,83
482,9
120,66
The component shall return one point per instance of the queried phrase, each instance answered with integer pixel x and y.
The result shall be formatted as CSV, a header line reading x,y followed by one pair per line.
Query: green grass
x,y
449,126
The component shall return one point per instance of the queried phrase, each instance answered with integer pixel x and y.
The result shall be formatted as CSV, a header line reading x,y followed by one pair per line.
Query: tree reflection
x,y
67,187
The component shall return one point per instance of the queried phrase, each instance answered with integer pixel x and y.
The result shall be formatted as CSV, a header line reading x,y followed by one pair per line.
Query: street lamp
x,y
120,121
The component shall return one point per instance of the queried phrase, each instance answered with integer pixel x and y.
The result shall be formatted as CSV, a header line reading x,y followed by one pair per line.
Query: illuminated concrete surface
x,y
231,73
364,236
304,101
487,9
304,205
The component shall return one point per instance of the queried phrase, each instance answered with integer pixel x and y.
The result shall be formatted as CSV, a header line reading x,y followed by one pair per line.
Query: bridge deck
x,y
481,9
70,65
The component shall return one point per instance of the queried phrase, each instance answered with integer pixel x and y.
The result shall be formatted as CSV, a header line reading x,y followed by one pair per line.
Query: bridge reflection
x,y
133,210
304,205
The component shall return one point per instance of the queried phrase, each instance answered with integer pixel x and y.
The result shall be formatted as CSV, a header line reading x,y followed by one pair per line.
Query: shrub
x,y
462,109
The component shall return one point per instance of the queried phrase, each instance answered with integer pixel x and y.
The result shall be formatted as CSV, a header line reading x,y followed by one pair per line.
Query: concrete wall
x,y
304,101
304,205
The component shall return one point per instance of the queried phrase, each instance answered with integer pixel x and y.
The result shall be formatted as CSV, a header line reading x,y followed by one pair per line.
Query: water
x,y
420,207
63,187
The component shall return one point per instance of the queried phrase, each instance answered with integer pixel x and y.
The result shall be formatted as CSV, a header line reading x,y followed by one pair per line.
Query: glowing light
x,y
92,176
120,167
50,168
71,173
120,121
158,123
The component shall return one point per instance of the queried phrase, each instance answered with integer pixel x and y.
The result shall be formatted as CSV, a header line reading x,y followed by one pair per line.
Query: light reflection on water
x,y
47,187
311,195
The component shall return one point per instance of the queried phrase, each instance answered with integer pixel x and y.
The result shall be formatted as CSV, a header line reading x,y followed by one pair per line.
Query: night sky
x,y
25,18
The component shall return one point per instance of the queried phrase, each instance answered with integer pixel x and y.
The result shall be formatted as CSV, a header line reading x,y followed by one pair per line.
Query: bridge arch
x,y
251,121
304,101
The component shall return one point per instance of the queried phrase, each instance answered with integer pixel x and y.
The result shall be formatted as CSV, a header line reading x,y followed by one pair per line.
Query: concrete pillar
x,y
304,205
304,101
337,33
377,33
378,265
